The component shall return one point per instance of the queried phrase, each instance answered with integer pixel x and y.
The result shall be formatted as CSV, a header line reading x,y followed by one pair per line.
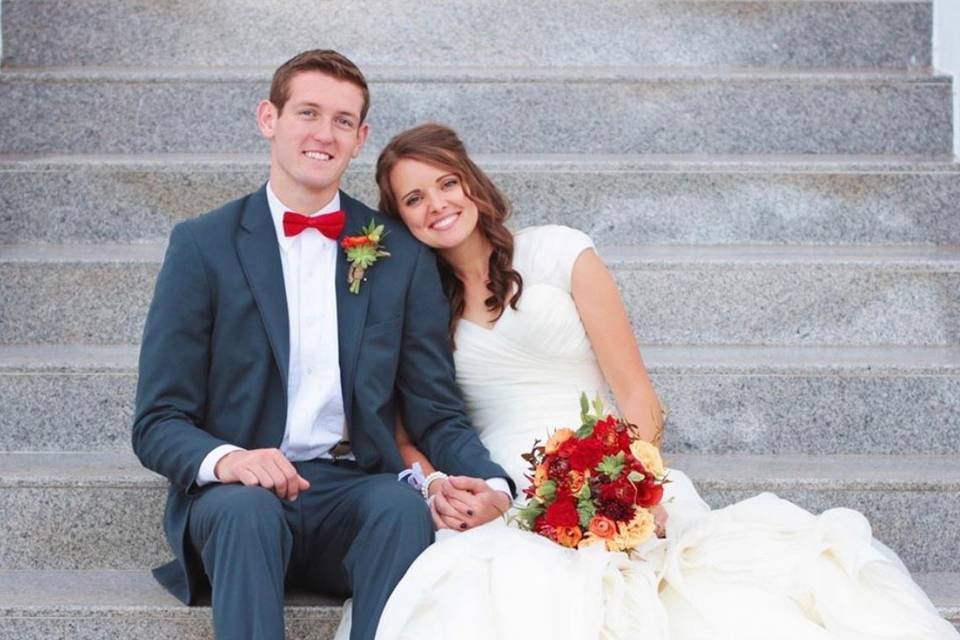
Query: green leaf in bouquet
x,y
584,493
586,430
528,514
612,466
548,490
635,476
584,406
586,511
598,406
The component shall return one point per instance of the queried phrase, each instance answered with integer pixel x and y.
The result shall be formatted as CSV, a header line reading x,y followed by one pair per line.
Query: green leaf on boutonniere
x,y
363,252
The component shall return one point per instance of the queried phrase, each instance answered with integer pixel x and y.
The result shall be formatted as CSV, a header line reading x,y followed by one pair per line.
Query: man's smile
x,y
318,155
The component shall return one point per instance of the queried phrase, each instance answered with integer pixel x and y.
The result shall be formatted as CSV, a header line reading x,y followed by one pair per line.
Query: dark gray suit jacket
x,y
213,361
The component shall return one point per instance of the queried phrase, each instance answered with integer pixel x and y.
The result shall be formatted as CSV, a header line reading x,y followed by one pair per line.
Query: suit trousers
x,y
351,533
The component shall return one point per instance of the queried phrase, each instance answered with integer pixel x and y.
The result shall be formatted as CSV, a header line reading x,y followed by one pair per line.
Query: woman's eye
x,y
452,182
412,201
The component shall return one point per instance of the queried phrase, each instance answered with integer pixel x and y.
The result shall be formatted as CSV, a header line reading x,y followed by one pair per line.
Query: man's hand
x,y
462,503
267,468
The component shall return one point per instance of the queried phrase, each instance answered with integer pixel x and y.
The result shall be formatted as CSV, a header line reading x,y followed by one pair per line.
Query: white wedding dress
x,y
760,569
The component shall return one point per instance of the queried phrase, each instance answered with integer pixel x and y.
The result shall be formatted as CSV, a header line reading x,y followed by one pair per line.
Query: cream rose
x,y
649,457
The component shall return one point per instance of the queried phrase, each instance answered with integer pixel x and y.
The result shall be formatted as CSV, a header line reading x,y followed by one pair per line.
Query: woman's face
x,y
433,203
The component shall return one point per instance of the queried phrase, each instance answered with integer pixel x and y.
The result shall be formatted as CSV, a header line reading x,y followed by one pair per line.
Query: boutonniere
x,y
363,252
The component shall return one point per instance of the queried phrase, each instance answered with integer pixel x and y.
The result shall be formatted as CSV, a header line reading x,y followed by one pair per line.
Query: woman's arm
x,y
409,451
611,335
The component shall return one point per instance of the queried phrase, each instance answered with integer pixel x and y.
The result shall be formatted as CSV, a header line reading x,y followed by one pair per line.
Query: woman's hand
x,y
660,517
462,503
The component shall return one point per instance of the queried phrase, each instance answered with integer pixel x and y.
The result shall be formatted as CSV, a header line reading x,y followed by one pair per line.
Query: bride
x,y
536,319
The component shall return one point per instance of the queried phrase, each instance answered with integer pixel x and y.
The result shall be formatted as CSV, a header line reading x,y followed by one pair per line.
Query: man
x,y
269,388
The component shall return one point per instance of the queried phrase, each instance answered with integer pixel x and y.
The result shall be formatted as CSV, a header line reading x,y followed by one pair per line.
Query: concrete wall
x,y
946,53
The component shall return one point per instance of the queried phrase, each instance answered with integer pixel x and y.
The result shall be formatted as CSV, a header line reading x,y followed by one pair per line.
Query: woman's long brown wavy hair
x,y
439,146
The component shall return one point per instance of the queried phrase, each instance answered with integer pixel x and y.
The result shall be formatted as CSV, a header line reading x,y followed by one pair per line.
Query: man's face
x,y
313,139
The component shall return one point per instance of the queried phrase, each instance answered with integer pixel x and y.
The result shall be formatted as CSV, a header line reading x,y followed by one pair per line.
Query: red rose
x,y
620,490
605,431
587,455
649,493
567,447
562,513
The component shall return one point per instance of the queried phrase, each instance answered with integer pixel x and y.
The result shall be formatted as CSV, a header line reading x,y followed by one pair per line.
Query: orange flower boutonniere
x,y
363,252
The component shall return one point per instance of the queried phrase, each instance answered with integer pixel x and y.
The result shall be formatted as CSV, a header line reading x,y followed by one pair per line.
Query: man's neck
x,y
300,199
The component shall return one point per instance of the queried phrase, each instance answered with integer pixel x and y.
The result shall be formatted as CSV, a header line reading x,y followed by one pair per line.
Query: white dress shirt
x,y
315,414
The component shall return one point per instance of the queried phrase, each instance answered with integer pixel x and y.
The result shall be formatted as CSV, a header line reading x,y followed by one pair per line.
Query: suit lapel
x,y
260,259
351,307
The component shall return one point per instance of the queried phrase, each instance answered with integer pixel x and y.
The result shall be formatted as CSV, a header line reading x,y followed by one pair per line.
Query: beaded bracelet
x,y
425,487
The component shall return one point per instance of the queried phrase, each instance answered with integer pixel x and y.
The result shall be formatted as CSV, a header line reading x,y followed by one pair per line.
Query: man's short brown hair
x,y
326,61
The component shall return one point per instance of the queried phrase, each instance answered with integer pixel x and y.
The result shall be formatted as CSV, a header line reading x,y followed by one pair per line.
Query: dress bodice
x,y
522,379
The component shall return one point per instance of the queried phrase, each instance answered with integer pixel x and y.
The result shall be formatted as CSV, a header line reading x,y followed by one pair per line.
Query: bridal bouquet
x,y
593,486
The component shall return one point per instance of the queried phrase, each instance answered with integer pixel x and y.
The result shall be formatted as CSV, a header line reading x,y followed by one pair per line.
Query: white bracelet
x,y
412,476
425,487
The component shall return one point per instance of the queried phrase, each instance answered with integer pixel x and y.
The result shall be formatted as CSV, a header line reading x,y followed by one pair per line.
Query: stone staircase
x,y
771,182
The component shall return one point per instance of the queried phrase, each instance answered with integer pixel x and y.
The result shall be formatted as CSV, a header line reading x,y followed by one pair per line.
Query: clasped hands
x,y
461,503
458,502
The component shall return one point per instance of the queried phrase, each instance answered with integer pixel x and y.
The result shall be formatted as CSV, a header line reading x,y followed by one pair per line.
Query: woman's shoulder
x,y
548,252
550,233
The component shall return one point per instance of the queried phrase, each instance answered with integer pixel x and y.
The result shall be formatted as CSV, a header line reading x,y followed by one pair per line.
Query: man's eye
x,y
307,113
345,122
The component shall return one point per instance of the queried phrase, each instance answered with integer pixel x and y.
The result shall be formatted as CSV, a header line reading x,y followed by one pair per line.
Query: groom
x,y
268,390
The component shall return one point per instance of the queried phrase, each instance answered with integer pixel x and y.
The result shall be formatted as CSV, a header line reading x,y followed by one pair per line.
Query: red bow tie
x,y
329,224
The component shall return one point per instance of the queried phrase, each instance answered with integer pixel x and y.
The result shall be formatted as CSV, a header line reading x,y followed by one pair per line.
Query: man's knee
x,y
241,511
399,507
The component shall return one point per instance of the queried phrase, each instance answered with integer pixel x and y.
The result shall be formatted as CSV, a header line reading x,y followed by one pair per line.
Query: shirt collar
x,y
277,209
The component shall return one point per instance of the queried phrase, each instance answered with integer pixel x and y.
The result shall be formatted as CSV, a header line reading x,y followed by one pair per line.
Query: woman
x,y
536,320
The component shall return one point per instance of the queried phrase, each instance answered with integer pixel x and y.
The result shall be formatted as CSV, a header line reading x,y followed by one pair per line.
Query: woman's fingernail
x,y
463,525
470,513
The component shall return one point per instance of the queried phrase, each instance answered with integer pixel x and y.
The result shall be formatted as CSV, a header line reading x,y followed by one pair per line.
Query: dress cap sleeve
x,y
547,253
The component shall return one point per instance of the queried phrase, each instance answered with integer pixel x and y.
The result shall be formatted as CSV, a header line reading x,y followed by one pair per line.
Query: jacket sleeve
x,y
174,363
433,410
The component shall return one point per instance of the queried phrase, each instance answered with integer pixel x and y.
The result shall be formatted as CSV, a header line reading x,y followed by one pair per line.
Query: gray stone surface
x,y
617,199
85,511
722,400
541,32
588,111
99,294
104,605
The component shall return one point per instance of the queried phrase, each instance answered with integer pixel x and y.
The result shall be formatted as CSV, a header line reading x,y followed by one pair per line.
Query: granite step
x,y
103,605
618,199
536,32
104,511
739,294
500,109
723,400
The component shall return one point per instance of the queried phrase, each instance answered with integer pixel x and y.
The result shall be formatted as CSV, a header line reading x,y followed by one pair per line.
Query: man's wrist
x,y
208,468
501,485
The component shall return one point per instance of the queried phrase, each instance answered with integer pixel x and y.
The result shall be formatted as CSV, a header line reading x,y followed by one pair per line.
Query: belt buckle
x,y
340,450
